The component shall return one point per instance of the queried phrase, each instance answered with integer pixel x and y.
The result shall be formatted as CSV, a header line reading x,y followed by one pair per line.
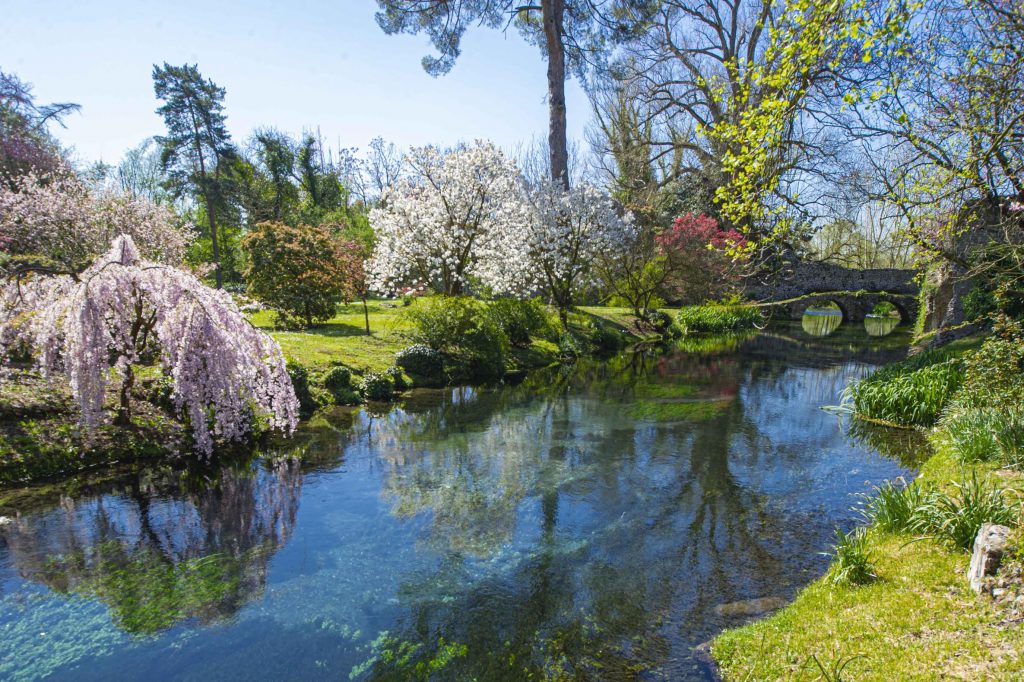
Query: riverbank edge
x,y
917,620
43,445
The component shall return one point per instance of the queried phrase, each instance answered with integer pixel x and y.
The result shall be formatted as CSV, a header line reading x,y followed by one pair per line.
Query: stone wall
x,y
806,278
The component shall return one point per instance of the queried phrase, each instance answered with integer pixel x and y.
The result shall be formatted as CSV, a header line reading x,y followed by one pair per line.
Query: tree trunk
x,y
213,240
366,316
124,408
553,12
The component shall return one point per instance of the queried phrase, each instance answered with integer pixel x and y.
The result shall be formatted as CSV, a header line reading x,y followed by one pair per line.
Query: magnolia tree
x,y
56,223
455,218
94,326
568,231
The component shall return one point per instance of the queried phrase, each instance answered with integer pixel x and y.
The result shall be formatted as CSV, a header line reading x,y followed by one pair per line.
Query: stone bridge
x,y
856,292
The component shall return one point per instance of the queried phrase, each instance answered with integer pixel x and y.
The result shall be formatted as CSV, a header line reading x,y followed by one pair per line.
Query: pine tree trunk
x,y
553,12
214,241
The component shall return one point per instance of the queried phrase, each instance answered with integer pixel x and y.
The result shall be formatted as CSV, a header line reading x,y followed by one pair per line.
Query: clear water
x,y
589,522
881,325
821,321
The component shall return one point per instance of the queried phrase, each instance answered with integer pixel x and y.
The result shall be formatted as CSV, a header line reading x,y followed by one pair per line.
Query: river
x,y
596,521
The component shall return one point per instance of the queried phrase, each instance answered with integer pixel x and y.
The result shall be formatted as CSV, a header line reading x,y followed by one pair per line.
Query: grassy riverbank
x,y
917,619
40,438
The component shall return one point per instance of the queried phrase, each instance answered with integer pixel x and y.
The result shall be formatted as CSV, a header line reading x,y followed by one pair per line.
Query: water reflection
x,y
821,321
881,325
585,523
156,558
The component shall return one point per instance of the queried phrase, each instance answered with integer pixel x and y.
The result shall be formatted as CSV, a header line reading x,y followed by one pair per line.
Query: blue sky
x,y
292,65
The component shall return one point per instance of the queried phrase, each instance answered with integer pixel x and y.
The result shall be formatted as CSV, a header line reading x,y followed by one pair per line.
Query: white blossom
x,y
457,216
567,232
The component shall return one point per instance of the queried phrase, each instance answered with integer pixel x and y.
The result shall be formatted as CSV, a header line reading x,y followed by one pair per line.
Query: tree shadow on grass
x,y
335,328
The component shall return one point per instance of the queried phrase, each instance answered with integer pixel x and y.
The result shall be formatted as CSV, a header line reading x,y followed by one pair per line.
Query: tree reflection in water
x,y
585,523
160,551
581,496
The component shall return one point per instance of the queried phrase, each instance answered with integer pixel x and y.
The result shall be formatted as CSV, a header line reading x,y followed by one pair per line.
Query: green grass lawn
x,y
343,338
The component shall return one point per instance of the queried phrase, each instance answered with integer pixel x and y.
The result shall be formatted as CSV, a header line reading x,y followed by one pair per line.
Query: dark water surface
x,y
589,523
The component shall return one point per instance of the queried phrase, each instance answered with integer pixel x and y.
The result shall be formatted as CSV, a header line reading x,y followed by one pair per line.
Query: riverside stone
x,y
989,547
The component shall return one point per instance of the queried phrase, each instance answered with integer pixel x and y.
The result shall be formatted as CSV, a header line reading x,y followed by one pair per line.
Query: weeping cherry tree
x,y
93,327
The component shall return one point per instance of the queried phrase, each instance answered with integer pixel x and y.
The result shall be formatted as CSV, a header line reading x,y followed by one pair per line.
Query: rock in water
x,y
989,547
750,607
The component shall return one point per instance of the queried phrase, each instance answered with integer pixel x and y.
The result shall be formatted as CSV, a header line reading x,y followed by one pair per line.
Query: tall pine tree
x,y
197,141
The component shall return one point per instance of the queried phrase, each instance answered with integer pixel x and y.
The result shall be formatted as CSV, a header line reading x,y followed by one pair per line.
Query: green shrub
x,y
660,322
376,386
979,303
573,345
308,402
443,322
605,340
397,378
424,364
851,562
482,352
337,378
901,394
337,382
717,318
883,309
474,346
520,320
956,518
994,375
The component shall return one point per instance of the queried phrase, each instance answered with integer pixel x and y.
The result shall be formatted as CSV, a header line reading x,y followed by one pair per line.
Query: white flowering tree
x,y
94,326
568,231
456,217
55,223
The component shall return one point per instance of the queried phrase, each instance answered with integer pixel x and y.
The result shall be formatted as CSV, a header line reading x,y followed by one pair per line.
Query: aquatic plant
x,y
907,394
717,318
